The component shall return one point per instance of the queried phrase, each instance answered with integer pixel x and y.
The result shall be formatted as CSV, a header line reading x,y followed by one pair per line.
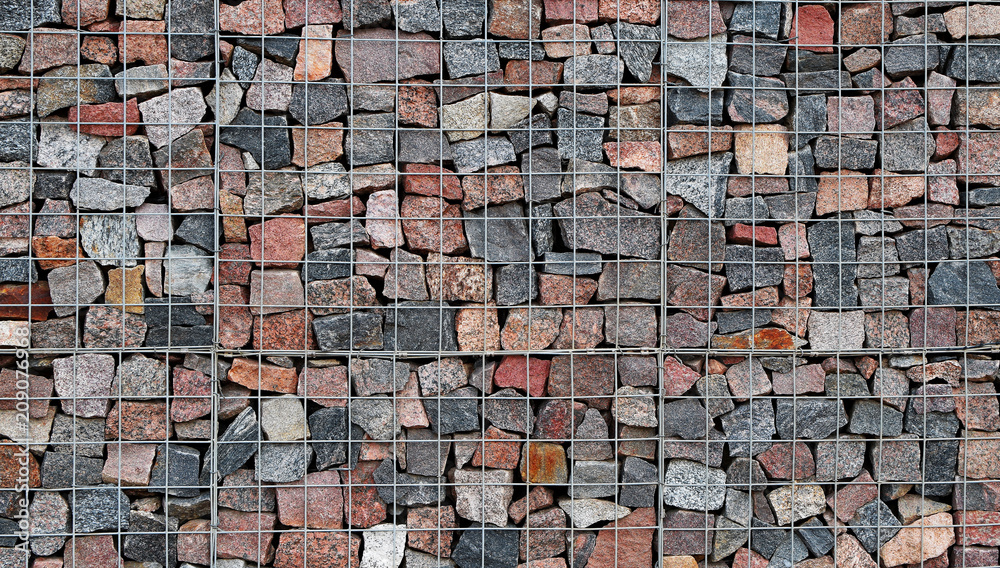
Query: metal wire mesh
x,y
507,283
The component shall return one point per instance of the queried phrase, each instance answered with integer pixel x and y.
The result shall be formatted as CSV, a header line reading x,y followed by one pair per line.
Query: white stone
x,y
152,222
795,502
186,270
327,181
508,110
100,194
586,512
384,546
483,495
833,331
229,95
172,115
701,62
70,286
60,147
284,419
466,119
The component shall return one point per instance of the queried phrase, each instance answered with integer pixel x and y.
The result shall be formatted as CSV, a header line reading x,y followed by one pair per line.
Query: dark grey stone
x,y
463,18
963,283
816,536
151,538
593,72
236,444
335,235
190,25
516,284
790,551
126,160
638,483
684,419
802,175
177,311
808,120
357,330
175,471
931,424
690,105
761,57
907,147
243,64
923,245
846,385
328,430
20,269
871,417
910,56
65,471
51,185
507,409
844,152
808,83
542,237
498,233
17,142
198,229
457,411
282,48
700,181
977,61
874,524
747,210
86,441
475,155
593,479
423,146
523,50
741,320
580,135
805,61
572,263
16,15
810,418
749,267
756,99
327,101
420,326
470,57
757,18
187,508
750,426
541,172
834,271
940,467
791,206
371,139
104,508
281,463
589,222
746,474
244,132
637,46
327,264
530,133
405,489
487,547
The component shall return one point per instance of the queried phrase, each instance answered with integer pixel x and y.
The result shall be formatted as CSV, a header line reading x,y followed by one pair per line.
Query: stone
x,y
761,149
593,72
181,108
812,29
486,546
701,62
692,20
59,146
690,485
756,99
686,178
482,503
603,225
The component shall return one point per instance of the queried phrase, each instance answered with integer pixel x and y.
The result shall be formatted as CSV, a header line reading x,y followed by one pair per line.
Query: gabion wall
x,y
505,283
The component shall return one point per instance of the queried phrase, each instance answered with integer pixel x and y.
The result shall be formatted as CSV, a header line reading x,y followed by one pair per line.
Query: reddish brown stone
x,y
99,49
129,464
198,193
946,141
846,500
635,12
627,542
524,373
263,376
315,56
11,457
432,224
23,301
433,181
322,143
386,55
235,320
678,378
583,376
234,226
768,338
691,19
646,156
531,329
634,95
279,242
322,507
542,538
977,157
515,19
933,327
138,421
76,13
232,178
843,190
428,529
901,102
47,249
297,549
777,461
193,542
417,104
865,24
326,386
812,29
234,264
108,119
320,12
139,41
564,11
538,498
192,395
543,462
684,140
363,508
688,288
47,48
499,450
580,329
803,379
890,190
338,209
561,290
977,527
976,406
742,234
253,17
522,75
246,535
500,184
95,551
478,328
